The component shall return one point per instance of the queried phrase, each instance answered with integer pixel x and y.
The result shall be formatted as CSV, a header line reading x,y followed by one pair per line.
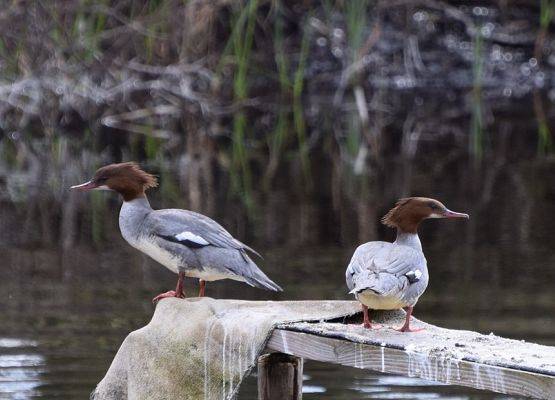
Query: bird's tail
x,y
255,277
263,282
377,283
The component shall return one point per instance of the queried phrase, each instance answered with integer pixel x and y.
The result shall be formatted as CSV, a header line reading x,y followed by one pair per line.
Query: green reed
x,y
281,59
99,206
547,9
277,139
241,40
152,144
477,126
354,138
545,142
356,18
169,187
157,14
546,16
298,110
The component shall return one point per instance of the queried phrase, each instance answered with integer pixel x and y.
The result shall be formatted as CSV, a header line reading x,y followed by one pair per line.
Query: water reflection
x,y
73,289
333,382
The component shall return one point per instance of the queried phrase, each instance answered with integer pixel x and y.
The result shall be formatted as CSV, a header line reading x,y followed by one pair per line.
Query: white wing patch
x,y
413,276
191,237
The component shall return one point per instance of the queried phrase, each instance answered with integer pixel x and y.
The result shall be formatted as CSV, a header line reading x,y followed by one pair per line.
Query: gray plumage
x,y
185,241
386,275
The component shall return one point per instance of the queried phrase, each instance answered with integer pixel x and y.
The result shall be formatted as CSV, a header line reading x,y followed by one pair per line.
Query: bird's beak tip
x,y
84,186
453,214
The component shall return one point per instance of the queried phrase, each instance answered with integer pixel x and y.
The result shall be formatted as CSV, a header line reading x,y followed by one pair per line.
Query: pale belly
x,y
174,263
210,274
375,302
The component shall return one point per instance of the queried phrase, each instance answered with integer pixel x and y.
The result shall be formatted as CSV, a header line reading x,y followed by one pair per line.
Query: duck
x,y
187,243
391,276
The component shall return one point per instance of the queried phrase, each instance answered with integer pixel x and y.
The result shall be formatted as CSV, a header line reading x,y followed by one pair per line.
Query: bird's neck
x,y
132,216
134,211
138,203
408,239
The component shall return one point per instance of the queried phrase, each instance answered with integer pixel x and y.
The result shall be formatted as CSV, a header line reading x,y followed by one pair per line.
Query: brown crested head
x,y
409,212
128,179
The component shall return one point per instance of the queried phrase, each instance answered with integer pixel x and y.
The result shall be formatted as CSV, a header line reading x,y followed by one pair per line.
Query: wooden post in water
x,y
280,377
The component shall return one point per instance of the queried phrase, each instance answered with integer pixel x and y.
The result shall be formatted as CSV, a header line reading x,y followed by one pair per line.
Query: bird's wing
x,y
384,267
362,261
197,232
401,260
193,230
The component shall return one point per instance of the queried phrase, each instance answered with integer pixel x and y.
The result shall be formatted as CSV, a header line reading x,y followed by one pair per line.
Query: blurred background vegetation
x,y
251,84
296,124
256,87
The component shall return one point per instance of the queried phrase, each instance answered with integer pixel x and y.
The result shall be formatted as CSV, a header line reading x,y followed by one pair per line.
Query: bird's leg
x,y
367,323
202,285
179,293
406,327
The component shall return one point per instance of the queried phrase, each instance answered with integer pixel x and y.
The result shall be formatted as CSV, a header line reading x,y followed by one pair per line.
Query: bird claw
x,y
169,293
371,326
408,329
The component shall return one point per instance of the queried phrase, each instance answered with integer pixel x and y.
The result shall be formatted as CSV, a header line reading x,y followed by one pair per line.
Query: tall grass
x,y
547,8
356,18
298,109
547,11
243,22
277,140
477,126
106,57
99,209
357,21
545,141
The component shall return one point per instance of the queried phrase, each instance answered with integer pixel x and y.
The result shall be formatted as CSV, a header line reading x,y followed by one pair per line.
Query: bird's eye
x,y
433,206
101,180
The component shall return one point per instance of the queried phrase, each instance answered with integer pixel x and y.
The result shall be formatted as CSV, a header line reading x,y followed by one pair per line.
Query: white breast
x,y
157,253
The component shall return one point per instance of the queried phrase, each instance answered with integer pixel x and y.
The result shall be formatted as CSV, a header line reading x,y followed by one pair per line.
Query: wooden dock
x,y
463,358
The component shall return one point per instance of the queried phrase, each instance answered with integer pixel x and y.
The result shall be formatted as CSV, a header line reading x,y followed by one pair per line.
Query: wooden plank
x,y
401,362
449,343
280,377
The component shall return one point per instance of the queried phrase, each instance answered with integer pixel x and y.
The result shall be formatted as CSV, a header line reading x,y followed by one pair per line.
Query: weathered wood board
x,y
454,357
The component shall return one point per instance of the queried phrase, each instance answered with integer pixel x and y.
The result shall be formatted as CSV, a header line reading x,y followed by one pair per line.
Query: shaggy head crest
x,y
409,212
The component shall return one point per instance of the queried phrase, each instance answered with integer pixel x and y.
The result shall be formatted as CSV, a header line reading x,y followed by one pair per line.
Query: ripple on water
x,y
397,395
404,381
313,389
20,373
14,342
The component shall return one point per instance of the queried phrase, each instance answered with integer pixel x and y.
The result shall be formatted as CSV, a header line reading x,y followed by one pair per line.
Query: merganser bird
x,y
187,243
389,276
